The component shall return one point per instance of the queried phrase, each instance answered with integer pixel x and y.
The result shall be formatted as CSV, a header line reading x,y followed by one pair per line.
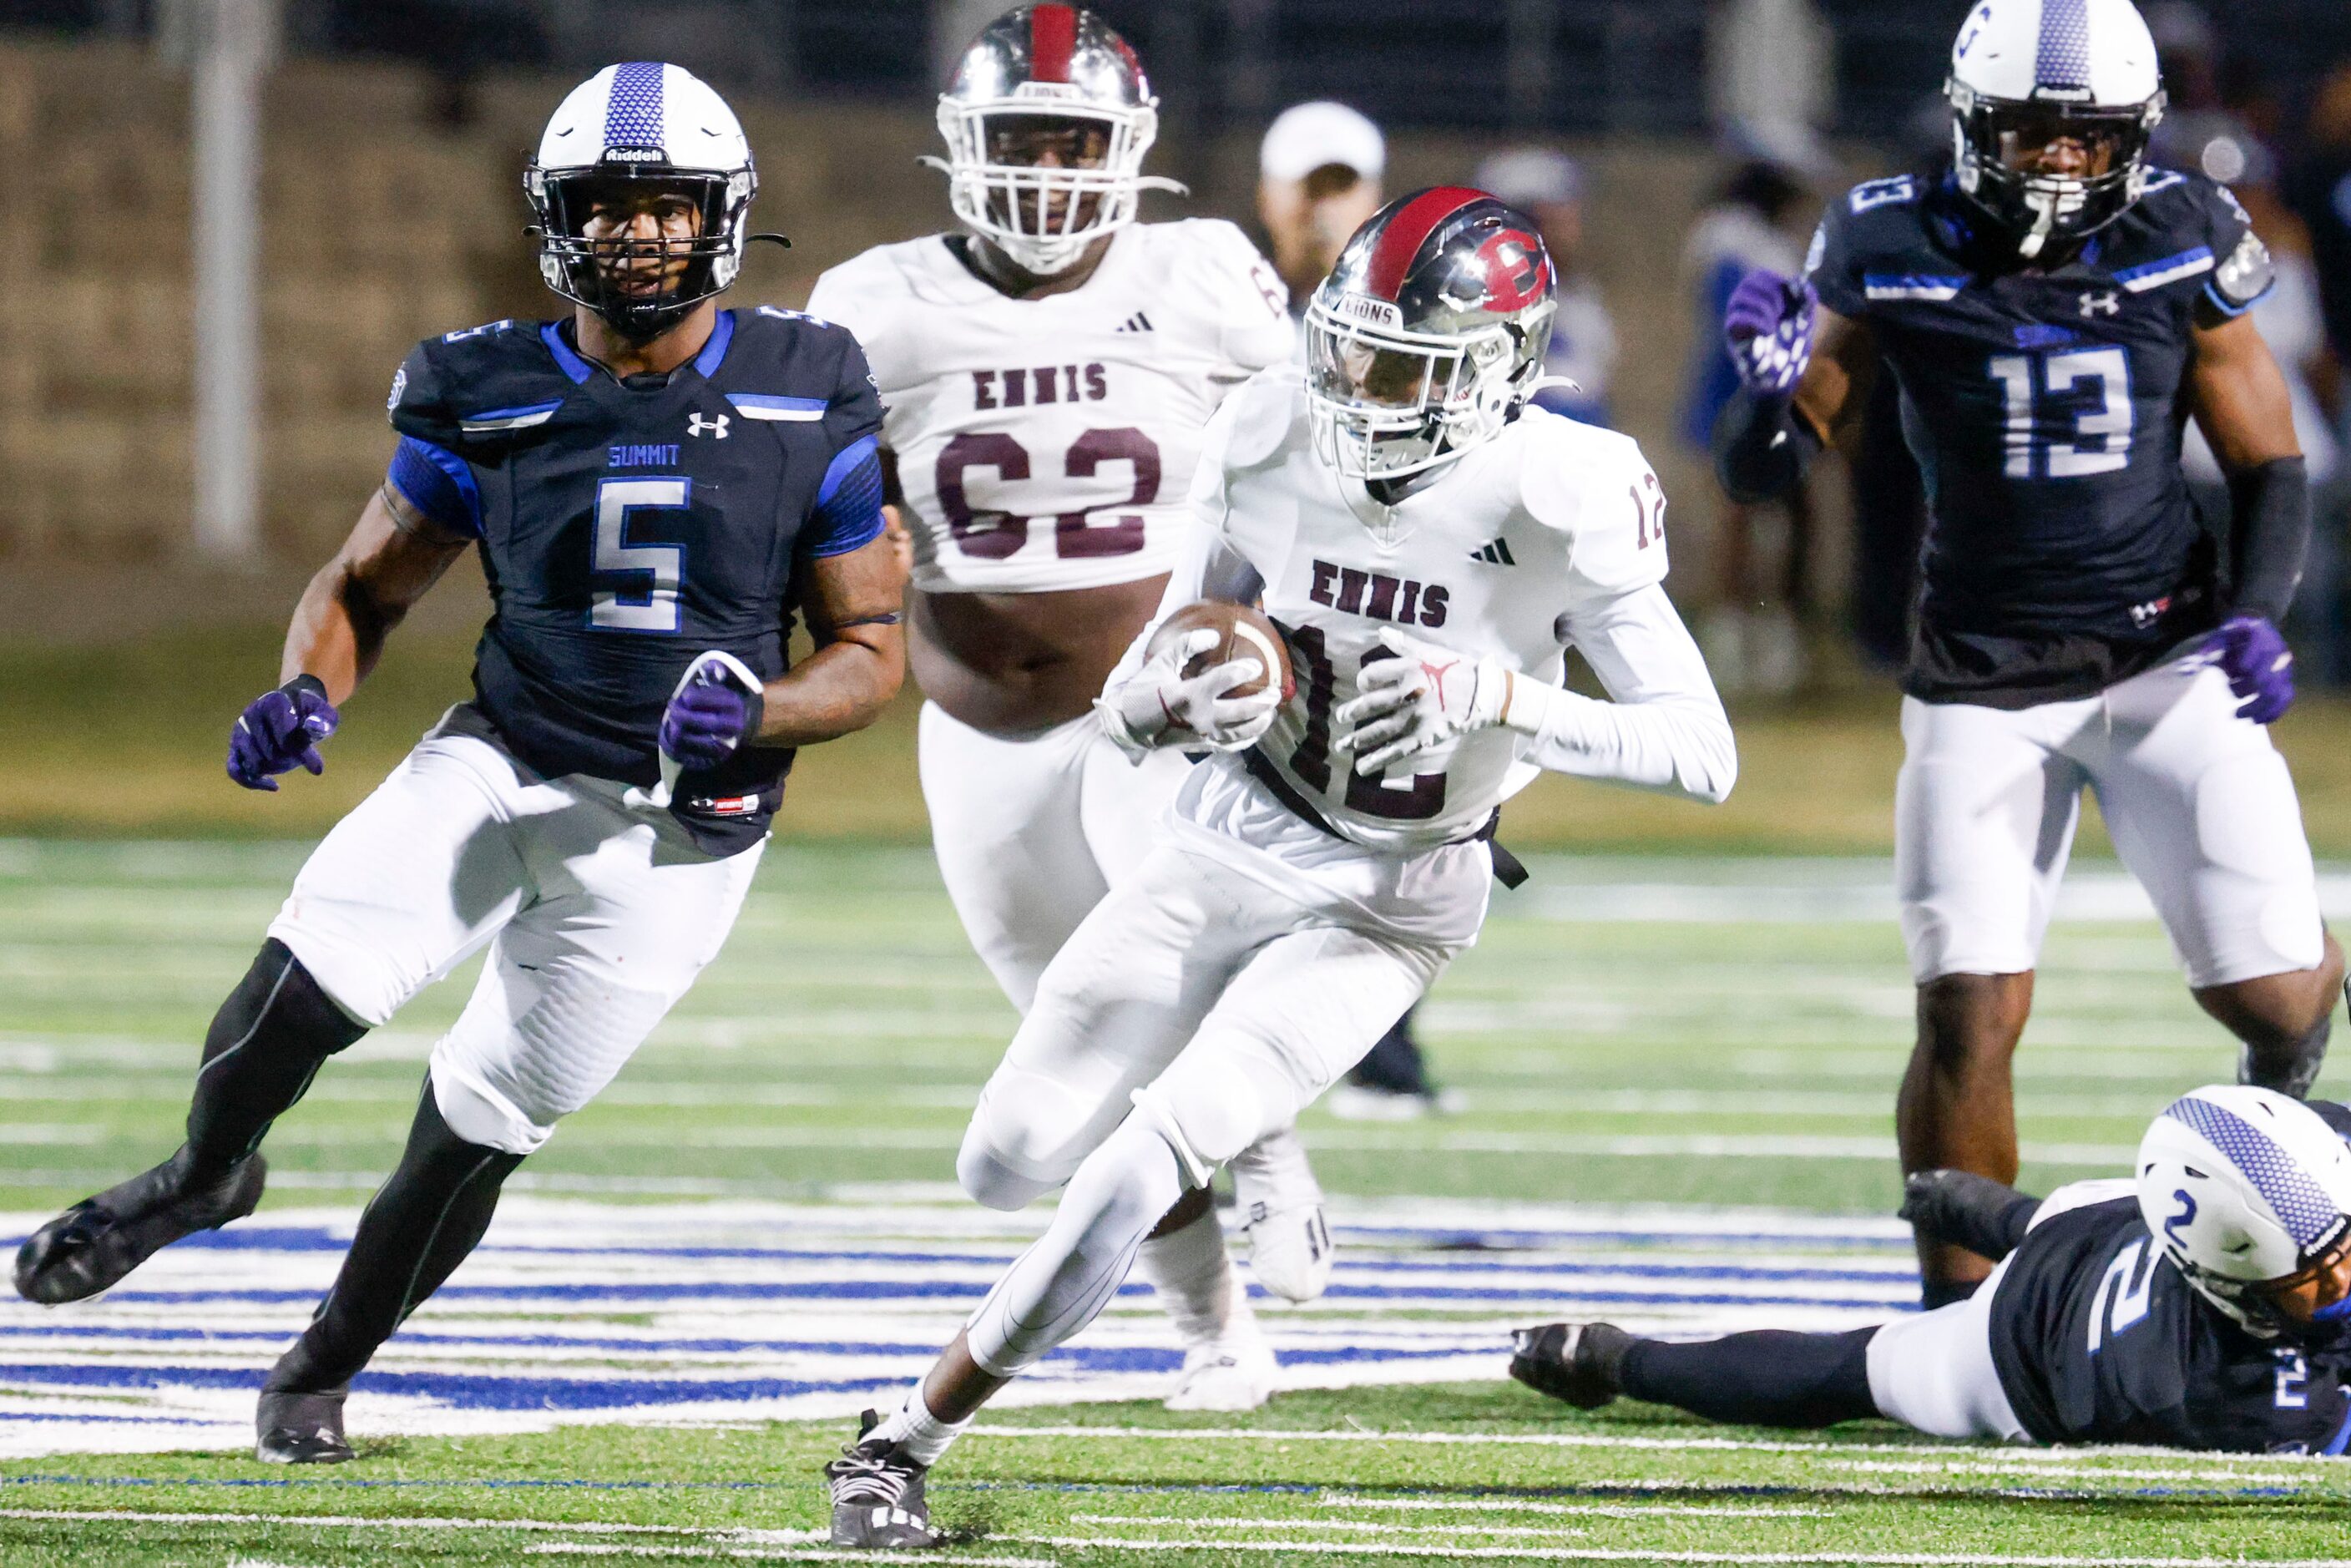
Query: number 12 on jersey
x,y
2094,385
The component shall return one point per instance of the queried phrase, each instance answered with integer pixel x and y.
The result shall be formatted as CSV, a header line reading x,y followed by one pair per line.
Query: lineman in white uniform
x,y
1048,376
1432,545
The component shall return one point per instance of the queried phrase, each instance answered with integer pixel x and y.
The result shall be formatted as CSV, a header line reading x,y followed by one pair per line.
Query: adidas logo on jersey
x,y
1495,553
1138,322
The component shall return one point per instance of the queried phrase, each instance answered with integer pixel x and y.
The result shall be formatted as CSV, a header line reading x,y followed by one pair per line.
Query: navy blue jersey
x,y
2098,1339
627,527
2045,409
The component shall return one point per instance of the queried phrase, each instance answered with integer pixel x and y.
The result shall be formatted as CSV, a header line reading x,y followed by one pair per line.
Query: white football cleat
x,y
1280,1205
1225,1375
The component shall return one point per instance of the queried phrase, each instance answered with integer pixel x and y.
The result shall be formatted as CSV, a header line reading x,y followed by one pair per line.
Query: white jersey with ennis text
x,y
1502,554
1048,443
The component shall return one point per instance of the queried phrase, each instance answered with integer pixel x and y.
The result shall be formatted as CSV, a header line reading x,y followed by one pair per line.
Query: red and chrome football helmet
x,y
1059,72
1428,334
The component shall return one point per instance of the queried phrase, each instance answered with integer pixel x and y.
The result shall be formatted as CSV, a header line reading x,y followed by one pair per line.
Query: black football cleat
x,y
295,1428
1578,1362
95,1243
877,1496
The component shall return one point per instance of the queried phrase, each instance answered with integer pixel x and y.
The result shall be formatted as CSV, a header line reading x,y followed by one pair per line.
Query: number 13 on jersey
x,y
2093,385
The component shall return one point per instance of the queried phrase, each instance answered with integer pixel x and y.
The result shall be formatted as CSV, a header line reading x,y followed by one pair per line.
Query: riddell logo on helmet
x,y
634,155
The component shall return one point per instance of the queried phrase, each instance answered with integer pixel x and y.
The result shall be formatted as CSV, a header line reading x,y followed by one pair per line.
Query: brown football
x,y
1246,634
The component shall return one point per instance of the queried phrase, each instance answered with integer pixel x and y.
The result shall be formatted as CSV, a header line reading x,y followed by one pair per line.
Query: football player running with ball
x,y
654,484
1046,376
2205,1303
1429,543
2055,310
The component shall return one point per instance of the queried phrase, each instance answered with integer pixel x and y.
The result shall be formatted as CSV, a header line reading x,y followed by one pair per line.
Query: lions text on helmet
x,y
1046,122
641,187
1429,335
2052,103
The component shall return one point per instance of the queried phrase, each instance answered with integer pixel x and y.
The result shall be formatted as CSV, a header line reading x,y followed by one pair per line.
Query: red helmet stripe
x,y
1408,230
1052,40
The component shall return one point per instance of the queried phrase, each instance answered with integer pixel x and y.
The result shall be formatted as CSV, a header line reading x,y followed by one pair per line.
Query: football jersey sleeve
x,y
1594,487
418,405
848,511
846,296
2243,272
1831,265
1245,301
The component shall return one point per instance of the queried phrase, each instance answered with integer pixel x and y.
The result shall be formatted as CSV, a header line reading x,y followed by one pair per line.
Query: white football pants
x,y
1207,1001
2199,803
1222,988
598,916
1934,1372
1031,832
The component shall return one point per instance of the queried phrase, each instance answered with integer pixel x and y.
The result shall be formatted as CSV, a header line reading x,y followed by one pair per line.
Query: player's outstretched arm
x,y
350,606
854,602
1773,429
2240,400
394,555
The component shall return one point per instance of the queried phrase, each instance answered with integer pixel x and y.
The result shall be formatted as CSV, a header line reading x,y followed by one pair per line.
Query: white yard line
x,y
1498,1504
1629,1554
784,1554
1365,1526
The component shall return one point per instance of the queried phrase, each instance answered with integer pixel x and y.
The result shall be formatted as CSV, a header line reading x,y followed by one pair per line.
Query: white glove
x,y
1420,699
1161,705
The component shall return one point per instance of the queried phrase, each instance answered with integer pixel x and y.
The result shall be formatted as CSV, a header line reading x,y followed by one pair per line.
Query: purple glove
x,y
707,720
279,731
1769,326
2259,666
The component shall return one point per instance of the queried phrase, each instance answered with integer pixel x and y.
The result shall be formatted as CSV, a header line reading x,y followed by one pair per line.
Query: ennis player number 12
x,y
993,536
1311,761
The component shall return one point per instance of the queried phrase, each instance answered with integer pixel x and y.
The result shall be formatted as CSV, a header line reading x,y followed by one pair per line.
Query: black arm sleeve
x,y
1762,448
2269,531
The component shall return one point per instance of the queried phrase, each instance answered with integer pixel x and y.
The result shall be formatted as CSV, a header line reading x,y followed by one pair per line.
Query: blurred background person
x,y
1753,637
1549,187
1318,171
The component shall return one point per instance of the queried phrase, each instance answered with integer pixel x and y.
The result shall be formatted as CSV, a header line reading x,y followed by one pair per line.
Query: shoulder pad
x,y
1872,247
2186,229
1262,411
478,383
1596,488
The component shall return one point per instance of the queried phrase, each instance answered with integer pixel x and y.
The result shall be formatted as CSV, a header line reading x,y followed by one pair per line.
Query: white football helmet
x,y
2244,1190
2025,72
634,126
1054,66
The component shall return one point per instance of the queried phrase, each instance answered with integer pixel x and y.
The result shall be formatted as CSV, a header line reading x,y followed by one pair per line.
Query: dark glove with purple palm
x,y
279,731
1769,324
2252,653
707,718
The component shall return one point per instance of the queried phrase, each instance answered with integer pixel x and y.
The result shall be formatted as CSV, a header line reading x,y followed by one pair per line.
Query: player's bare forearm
x,y
2240,396
854,603
1837,382
392,557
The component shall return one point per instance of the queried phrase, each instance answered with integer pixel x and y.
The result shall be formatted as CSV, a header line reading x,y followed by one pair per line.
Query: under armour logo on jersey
x,y
1138,322
2108,304
715,427
1495,553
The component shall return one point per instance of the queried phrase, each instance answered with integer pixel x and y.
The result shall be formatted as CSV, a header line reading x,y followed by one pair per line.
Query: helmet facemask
x,y
1996,142
1388,403
639,283
1045,216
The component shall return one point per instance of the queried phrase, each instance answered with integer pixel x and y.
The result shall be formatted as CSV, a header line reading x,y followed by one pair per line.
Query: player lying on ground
x,y
2205,1306
654,484
2056,310
1046,502
1429,543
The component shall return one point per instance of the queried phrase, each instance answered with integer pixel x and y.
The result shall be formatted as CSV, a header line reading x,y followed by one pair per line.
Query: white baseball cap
x,y
1310,135
1532,177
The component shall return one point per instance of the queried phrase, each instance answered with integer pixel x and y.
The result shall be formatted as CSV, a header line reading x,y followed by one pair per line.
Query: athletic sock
x,y
264,1047
1770,1378
417,1228
920,1435
1195,1278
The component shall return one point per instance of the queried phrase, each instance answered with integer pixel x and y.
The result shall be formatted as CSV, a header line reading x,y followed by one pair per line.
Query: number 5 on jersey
x,y
647,601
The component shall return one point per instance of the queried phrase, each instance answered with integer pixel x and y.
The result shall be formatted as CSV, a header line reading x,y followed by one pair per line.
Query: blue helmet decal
x,y
633,115
2300,1202
2064,58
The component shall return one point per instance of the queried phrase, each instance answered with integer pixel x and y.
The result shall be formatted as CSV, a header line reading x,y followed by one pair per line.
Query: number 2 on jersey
x,y
1425,798
992,536
2102,417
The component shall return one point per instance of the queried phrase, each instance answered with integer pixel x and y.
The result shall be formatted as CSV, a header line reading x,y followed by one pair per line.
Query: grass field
x,y
1653,1052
